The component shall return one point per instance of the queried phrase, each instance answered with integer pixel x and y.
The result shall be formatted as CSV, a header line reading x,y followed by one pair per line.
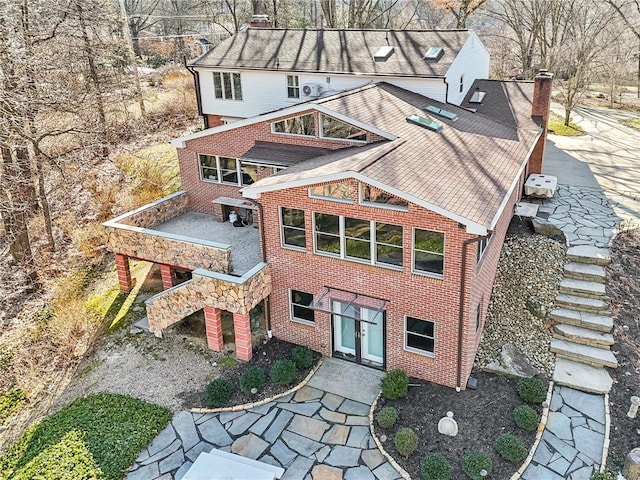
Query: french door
x,y
358,334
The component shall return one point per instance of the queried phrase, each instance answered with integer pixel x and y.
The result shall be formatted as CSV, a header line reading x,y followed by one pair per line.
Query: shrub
x,y
283,372
510,448
218,392
474,461
302,356
394,384
526,418
387,417
603,476
252,377
434,466
405,441
531,390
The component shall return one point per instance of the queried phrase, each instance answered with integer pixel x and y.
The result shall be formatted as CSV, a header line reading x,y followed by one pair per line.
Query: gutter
x,y
196,80
263,249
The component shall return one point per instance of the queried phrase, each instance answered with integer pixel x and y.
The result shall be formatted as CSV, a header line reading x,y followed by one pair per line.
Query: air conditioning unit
x,y
311,90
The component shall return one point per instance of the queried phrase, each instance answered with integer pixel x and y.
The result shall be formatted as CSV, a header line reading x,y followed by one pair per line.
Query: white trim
x,y
322,135
439,276
407,348
285,245
296,319
385,206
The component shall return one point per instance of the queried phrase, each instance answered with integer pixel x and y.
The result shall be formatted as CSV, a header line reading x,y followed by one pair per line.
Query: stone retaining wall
x,y
157,212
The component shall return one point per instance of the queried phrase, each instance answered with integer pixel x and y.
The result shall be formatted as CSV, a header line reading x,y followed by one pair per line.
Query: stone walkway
x,y
315,434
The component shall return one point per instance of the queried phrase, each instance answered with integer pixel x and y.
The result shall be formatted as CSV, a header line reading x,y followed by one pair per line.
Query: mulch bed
x,y
623,287
482,415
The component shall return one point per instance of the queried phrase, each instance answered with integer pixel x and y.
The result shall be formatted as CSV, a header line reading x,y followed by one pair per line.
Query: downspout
x,y
463,287
196,80
446,90
263,248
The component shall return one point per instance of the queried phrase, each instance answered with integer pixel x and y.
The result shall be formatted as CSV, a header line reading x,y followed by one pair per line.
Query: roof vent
x,y
425,123
477,97
434,54
441,112
383,54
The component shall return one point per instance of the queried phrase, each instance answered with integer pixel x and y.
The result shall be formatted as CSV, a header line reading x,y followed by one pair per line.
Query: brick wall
x,y
541,104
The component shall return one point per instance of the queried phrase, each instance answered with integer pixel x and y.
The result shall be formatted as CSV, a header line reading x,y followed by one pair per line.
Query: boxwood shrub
x,y
302,356
387,417
218,392
510,448
526,418
405,441
474,461
434,466
394,384
531,390
252,377
283,372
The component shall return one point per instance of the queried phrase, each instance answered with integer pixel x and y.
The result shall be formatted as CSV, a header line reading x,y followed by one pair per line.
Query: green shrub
x,y
474,461
531,390
218,392
283,372
10,402
394,384
387,417
405,441
302,356
252,377
603,476
510,448
526,418
434,466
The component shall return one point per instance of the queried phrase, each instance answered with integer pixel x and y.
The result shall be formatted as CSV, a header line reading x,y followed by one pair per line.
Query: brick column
x,y
213,324
242,328
168,275
124,273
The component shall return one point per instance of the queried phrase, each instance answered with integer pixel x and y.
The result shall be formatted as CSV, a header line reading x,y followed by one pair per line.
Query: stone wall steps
x,y
589,254
584,336
593,321
585,271
583,288
581,376
585,304
594,356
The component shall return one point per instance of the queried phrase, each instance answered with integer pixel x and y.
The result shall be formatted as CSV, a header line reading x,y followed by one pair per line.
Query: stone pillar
x,y
124,273
242,328
213,324
631,470
540,107
168,275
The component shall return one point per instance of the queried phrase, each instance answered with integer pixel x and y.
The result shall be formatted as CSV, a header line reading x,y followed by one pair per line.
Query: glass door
x,y
344,329
358,334
372,336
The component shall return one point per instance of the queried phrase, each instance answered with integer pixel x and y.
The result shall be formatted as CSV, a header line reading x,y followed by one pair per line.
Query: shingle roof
x,y
281,154
336,51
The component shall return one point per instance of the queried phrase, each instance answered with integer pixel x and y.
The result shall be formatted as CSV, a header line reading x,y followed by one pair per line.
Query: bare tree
x,y
140,18
461,9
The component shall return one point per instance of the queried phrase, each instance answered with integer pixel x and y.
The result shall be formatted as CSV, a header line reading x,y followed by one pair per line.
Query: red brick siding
x,y
540,107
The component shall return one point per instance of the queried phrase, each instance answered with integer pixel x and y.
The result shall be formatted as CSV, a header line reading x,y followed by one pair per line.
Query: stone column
x,y
213,324
168,275
242,328
124,273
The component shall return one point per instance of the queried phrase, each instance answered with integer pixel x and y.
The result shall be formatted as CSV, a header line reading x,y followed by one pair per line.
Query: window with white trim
x,y
300,306
333,128
293,86
227,86
461,83
428,252
419,335
334,191
304,125
370,195
218,169
293,228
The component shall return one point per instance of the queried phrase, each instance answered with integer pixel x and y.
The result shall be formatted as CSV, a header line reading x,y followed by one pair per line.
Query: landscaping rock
x,y
512,362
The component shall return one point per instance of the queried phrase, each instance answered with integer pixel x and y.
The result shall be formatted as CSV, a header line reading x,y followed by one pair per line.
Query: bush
x,y
302,356
510,448
394,384
526,418
252,377
405,441
387,417
218,392
474,461
603,476
531,390
283,372
434,466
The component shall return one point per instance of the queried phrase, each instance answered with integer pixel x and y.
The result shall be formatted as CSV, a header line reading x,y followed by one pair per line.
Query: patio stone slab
x,y
299,469
198,449
306,409
359,473
590,404
326,472
560,425
337,435
354,408
331,416
386,472
242,424
304,446
282,453
372,458
306,394
175,445
250,446
261,425
332,401
186,429
213,432
145,473
182,470
226,417
359,437
357,420
322,453
162,441
589,443
172,462
308,427
278,425
344,457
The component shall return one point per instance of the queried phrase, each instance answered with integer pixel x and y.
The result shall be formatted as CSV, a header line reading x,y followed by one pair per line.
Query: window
x,y
293,228
334,191
357,234
332,128
482,247
227,170
419,336
301,307
478,315
208,167
388,244
302,125
248,173
461,83
293,86
371,194
428,252
327,233
227,85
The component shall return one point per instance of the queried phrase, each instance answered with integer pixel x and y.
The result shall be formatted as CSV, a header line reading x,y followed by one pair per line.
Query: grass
x,y
10,402
632,122
97,437
557,127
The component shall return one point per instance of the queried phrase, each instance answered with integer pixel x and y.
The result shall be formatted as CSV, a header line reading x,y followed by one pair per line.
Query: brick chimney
x,y
260,21
540,113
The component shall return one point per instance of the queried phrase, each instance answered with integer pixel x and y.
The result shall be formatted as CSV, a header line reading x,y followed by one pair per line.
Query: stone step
x,y
584,271
582,377
597,357
592,321
582,288
589,254
211,467
575,302
277,471
585,336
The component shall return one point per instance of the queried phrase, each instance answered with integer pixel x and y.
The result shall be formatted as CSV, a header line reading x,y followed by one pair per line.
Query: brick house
x,y
375,220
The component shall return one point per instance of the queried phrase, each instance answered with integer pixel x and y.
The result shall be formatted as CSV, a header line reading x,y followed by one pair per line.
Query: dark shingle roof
x,y
281,154
336,51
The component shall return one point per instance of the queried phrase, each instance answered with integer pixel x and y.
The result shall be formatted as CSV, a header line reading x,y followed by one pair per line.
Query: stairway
x,y
582,335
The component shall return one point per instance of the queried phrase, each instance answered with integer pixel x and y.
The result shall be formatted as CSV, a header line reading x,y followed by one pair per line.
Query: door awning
x,y
325,301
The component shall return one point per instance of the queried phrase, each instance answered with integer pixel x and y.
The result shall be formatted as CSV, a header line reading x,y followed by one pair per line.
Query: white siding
x,y
471,63
263,91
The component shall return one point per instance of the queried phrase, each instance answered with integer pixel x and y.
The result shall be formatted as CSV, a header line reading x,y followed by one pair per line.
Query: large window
x,y
301,303
428,252
373,195
227,170
301,125
208,167
332,128
388,244
227,85
327,232
333,191
419,336
293,229
293,86
357,235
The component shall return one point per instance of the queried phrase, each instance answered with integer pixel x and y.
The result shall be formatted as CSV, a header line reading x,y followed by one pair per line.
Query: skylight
x,y
434,53
477,97
442,113
425,123
383,54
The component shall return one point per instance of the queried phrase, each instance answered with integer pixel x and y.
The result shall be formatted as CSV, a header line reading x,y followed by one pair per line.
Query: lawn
x,y
557,127
96,437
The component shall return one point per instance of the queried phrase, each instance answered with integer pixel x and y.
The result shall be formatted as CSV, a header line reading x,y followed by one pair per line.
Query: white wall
x,y
472,62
